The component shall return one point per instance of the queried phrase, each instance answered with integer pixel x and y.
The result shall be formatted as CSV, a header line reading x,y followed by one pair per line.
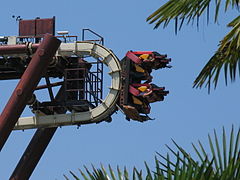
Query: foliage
x,y
223,163
227,55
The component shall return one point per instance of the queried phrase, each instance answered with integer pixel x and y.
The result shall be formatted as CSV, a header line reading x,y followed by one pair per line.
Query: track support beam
x,y
33,154
36,148
26,86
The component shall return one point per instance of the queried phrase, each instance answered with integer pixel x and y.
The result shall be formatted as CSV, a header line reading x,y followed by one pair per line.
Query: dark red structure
x,y
36,147
18,49
36,27
26,86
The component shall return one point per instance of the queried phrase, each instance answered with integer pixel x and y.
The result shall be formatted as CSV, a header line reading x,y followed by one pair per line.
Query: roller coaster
x,y
73,75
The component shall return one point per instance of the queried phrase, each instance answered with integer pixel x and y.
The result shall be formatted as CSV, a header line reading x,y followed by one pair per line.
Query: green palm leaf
x,y
227,56
222,163
187,10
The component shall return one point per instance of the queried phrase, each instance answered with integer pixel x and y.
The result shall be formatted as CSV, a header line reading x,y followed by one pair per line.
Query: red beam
x,y
32,154
36,148
18,49
51,85
142,52
26,86
133,57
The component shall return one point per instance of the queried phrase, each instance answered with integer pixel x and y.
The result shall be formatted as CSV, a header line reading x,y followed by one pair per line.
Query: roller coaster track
x,y
97,114
37,53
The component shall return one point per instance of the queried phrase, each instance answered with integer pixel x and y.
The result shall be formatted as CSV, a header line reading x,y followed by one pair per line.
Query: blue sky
x,y
186,115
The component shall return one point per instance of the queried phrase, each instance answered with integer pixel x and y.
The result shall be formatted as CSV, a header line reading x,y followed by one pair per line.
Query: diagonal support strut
x,y
36,147
27,85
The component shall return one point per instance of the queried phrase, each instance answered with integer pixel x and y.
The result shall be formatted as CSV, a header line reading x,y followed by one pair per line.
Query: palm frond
x,y
75,177
187,10
227,56
111,172
222,163
120,176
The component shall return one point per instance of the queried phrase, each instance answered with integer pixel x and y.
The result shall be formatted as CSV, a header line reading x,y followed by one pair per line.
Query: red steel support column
x,y
36,148
33,154
17,49
26,86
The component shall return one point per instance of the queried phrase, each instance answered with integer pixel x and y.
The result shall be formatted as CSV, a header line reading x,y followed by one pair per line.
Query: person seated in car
x,y
139,74
154,61
141,105
151,93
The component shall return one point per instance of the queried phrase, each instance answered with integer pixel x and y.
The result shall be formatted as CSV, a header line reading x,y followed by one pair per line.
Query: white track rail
x,y
98,114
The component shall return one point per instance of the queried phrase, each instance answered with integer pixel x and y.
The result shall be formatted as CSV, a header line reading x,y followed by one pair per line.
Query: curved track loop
x,y
98,114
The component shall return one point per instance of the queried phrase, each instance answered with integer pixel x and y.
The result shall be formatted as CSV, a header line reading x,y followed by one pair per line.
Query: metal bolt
x,y
41,52
19,92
